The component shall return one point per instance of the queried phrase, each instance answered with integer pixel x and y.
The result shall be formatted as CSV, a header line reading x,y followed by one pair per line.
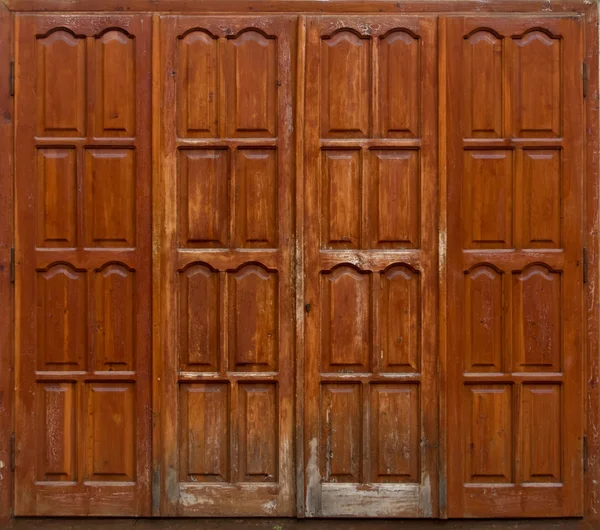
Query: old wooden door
x,y
515,351
226,298
83,265
371,267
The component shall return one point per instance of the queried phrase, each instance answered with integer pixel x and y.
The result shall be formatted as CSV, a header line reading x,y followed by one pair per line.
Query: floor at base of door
x,y
284,524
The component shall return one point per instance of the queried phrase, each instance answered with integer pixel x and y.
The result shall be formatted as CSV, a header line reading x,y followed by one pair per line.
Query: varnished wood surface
x,y
299,6
515,281
6,242
83,226
308,249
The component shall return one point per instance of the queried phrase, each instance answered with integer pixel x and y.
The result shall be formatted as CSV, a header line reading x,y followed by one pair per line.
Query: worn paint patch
x,y
313,475
270,506
425,500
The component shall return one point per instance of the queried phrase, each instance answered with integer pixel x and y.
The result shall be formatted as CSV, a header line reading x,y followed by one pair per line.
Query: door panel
x,y
371,267
515,350
226,246
83,276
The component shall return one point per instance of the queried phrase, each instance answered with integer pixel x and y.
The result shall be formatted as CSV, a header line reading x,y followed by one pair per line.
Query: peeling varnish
x,y
314,481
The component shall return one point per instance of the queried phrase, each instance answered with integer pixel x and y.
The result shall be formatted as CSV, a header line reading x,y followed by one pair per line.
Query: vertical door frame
x,y
6,243
591,241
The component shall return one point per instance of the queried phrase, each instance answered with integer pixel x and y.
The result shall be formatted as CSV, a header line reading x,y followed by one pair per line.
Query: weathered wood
x,y
303,6
6,242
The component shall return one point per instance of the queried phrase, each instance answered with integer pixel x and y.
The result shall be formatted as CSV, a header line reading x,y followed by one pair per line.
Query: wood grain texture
x,y
82,428
324,341
302,6
227,251
515,285
370,262
6,288
591,241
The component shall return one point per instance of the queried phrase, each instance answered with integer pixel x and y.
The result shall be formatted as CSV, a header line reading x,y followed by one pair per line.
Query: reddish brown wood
x,y
592,300
370,267
83,275
227,185
241,297
304,6
6,242
515,278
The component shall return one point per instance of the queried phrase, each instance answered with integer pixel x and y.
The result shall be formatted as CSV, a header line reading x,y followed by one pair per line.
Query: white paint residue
x,y
270,506
314,479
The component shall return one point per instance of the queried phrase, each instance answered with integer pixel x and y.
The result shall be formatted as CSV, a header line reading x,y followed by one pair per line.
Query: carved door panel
x,y
83,294
515,350
371,267
226,235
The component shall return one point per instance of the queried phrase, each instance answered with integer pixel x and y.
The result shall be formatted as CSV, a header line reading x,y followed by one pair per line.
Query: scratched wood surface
x,y
276,264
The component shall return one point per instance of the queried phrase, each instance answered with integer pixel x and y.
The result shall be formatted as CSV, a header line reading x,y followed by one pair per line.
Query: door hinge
x,y
12,78
584,74
585,265
12,451
585,453
12,265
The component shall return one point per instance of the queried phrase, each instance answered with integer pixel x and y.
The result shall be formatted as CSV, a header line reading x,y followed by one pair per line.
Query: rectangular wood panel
x,y
83,179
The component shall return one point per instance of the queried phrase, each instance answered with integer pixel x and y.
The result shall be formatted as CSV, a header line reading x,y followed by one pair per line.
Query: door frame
x,y
587,8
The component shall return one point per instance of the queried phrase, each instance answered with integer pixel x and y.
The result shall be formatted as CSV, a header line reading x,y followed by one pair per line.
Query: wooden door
x,y
83,265
226,300
371,267
515,350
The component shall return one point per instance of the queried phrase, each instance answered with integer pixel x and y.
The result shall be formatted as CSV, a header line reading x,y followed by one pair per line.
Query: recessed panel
x,y
536,98
61,318
204,410
341,199
199,307
198,85
110,439
56,432
110,201
253,319
256,187
487,424
487,199
537,324
115,79
61,84
345,85
399,320
346,320
114,324
541,428
541,198
399,85
252,85
394,199
258,432
56,198
395,433
203,198
483,320
341,432
483,85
